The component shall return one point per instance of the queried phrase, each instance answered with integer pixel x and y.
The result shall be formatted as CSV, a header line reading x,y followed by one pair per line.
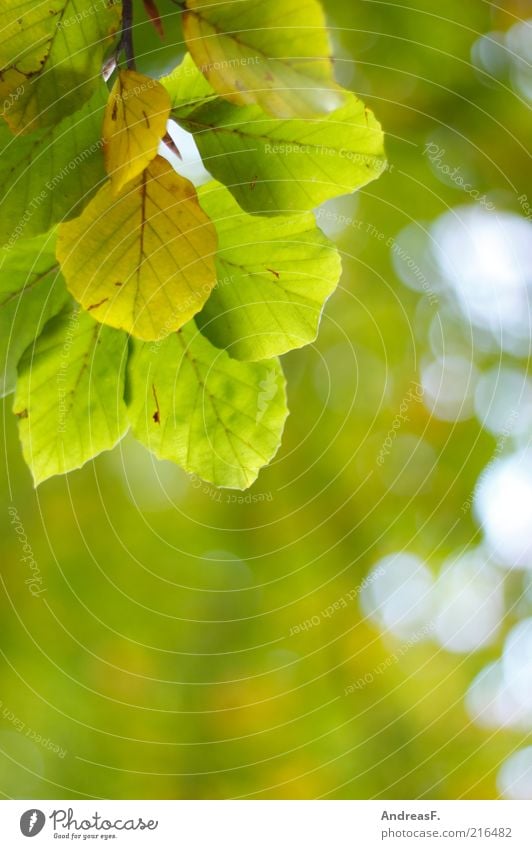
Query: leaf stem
x,y
126,41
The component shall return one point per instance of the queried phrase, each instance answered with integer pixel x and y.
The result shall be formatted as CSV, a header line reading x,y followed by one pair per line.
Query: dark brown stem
x,y
126,41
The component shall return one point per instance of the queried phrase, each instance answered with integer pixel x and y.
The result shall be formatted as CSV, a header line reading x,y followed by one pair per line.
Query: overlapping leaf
x,y
31,292
187,86
274,53
69,398
50,57
273,165
218,418
146,254
142,261
135,121
49,175
274,275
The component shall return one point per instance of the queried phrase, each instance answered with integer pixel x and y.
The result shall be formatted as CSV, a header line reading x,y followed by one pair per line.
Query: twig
x,y
126,40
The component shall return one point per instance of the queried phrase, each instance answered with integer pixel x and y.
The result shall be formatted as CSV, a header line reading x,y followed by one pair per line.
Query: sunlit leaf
x,y
273,165
211,293
31,292
274,275
186,86
216,417
142,261
48,176
51,54
135,122
27,30
274,53
69,397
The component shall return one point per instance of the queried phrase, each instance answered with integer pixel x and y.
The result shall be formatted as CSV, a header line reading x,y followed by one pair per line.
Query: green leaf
x,y
31,292
273,165
274,275
18,20
142,260
187,86
46,177
216,417
69,398
51,55
274,53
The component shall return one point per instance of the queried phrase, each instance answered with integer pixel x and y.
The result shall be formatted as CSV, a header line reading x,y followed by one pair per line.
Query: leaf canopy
x,y
213,283
216,417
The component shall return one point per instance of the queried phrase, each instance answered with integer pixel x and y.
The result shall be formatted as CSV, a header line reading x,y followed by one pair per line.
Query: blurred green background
x,y
361,630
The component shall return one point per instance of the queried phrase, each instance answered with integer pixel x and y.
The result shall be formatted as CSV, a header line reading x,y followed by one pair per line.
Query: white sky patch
x,y
190,165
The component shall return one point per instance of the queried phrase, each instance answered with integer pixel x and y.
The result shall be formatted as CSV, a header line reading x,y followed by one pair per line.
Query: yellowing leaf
x,y
50,57
272,165
18,21
274,53
134,123
142,261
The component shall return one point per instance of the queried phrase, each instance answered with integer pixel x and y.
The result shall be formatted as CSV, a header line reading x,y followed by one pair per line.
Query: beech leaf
x,y
273,165
274,276
274,53
31,291
69,398
216,417
142,261
135,122
51,55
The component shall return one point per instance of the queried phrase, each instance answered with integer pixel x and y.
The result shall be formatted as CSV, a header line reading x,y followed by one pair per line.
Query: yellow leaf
x,y
274,53
135,122
141,261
